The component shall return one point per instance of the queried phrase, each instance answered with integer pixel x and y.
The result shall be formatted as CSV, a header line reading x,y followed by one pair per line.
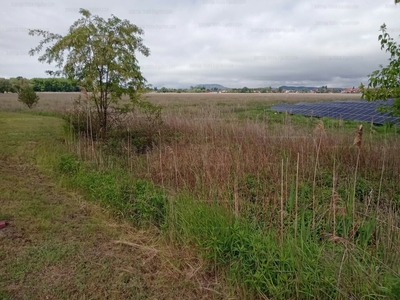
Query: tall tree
x,y
5,85
385,82
100,55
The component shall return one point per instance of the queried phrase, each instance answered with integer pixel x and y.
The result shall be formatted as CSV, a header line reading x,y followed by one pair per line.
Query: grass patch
x,y
58,246
300,268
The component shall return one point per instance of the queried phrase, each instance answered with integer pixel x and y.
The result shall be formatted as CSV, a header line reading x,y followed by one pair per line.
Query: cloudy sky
x,y
235,43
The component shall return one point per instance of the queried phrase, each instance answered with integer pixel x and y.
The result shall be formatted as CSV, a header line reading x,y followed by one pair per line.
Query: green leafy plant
x,y
385,82
148,204
100,56
68,164
27,96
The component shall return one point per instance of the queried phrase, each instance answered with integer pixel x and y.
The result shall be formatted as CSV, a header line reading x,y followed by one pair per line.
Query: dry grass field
x,y
60,101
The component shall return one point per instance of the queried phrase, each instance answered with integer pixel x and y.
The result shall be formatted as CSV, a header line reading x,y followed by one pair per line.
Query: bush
x,y
81,120
27,96
149,205
68,164
124,124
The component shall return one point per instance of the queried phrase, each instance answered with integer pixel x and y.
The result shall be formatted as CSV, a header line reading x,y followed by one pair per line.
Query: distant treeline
x,y
282,89
12,85
53,85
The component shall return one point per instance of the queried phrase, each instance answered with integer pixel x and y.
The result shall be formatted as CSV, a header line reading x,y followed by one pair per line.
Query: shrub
x,y
149,205
139,127
27,96
68,164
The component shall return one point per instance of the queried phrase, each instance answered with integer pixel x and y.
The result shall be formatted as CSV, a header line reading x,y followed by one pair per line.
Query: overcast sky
x,y
235,43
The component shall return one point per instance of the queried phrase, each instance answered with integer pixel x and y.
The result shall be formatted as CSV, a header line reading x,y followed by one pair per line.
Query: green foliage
x,y
245,90
394,287
141,140
82,120
385,82
100,56
12,85
68,164
5,295
302,268
250,188
363,187
148,205
53,85
101,186
137,200
365,233
5,85
27,96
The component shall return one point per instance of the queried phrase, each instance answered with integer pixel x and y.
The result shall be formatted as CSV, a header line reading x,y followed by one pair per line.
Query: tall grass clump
x,y
300,268
137,200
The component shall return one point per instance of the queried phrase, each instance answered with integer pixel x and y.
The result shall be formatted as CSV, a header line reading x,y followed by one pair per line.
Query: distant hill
x,y
285,87
288,87
212,86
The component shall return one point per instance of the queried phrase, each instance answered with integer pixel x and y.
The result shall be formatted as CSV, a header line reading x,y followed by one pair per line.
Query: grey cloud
x,y
231,42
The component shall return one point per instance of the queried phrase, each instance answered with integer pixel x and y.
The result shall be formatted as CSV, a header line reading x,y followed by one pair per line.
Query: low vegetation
x,y
284,206
27,96
291,209
58,245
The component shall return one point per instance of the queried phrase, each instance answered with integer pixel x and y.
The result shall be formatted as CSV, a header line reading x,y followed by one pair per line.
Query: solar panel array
x,y
359,110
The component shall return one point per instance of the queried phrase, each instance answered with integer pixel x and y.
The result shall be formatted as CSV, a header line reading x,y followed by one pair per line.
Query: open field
x,y
61,101
284,206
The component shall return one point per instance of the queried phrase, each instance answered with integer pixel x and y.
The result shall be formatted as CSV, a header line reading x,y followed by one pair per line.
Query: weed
x,y
69,164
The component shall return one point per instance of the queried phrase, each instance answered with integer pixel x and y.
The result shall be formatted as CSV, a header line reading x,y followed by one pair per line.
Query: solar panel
x,y
359,110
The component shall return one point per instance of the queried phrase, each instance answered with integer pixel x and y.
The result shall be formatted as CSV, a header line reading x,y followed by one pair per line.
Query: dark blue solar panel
x,y
359,110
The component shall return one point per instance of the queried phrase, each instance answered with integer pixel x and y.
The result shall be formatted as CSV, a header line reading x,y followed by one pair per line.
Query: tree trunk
x,y
103,123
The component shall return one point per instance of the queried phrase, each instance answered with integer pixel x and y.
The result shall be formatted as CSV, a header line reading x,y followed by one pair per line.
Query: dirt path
x,y
58,246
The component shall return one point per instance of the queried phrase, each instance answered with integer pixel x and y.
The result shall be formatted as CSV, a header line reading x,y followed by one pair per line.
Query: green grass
x,y
59,246
301,268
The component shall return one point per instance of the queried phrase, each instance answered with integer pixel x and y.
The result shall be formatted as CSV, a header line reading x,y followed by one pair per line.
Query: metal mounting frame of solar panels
x,y
358,110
